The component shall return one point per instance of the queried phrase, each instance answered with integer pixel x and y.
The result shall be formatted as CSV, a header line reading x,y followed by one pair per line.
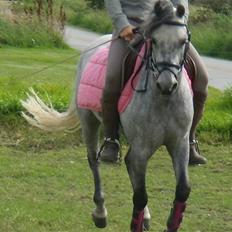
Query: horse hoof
x,y
146,224
99,222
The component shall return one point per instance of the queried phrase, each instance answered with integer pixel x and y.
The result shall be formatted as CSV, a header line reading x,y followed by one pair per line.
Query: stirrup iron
x,y
109,140
195,143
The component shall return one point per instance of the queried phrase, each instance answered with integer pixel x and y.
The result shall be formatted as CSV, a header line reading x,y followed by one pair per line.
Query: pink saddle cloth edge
x,y
92,82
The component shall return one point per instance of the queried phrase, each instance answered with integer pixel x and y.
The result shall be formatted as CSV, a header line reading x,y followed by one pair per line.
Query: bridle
x,y
151,64
159,67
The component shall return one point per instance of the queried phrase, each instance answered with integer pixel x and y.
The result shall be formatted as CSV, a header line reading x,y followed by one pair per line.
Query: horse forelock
x,y
163,12
163,8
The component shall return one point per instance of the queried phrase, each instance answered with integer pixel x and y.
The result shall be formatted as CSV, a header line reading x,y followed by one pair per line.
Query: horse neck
x,y
184,87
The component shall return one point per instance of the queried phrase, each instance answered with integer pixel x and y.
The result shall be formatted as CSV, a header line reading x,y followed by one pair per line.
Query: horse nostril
x,y
174,87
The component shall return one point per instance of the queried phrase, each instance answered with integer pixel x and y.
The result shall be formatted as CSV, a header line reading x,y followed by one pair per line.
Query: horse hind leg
x,y
90,126
180,157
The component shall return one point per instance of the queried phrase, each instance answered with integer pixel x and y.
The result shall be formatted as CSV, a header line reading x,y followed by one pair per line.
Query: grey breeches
x,y
119,50
113,85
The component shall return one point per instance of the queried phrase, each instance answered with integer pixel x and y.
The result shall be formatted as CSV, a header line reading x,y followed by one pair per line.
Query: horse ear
x,y
158,9
180,11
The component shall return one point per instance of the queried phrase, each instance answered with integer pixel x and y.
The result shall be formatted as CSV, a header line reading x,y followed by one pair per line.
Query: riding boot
x,y
194,156
110,151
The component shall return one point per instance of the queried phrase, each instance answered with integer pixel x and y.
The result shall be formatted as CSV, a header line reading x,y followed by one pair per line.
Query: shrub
x,y
32,24
95,4
201,15
96,20
222,6
29,33
213,38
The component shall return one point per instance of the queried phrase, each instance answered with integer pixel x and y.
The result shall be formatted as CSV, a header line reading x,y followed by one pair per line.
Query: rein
x,y
150,61
145,60
69,58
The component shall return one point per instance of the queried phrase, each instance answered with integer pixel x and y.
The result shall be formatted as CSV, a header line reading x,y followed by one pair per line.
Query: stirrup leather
x,y
195,143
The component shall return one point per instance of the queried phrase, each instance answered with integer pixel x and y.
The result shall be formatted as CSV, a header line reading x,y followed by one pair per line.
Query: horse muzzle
x,y
167,83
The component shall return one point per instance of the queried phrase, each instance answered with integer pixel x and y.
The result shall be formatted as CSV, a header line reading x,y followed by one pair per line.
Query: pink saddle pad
x,y
92,83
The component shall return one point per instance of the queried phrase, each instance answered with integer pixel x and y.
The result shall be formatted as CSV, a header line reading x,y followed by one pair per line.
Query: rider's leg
x,y
200,90
111,94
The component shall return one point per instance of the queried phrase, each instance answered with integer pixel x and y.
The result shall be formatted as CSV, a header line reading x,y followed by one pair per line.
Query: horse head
x,y
170,39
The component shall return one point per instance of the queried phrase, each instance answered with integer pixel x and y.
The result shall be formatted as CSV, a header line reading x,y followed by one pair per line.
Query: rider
x,y
126,15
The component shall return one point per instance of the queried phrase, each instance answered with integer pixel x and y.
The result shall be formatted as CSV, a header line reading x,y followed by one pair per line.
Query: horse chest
x,y
163,116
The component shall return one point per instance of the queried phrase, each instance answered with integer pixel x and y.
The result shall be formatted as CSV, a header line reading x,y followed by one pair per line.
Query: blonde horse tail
x,y
46,117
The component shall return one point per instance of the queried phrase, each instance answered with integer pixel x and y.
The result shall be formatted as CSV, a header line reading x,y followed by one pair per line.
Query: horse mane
x,y
162,12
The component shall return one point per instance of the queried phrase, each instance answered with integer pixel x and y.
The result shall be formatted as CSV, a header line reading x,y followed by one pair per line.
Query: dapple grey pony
x,y
160,115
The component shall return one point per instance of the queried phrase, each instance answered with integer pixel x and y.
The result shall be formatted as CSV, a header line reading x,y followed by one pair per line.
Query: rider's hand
x,y
127,33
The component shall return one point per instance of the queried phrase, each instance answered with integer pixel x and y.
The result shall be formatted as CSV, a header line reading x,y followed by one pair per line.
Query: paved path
x,y
220,71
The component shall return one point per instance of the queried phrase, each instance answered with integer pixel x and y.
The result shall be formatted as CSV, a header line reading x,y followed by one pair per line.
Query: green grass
x,y
50,188
217,119
16,67
46,184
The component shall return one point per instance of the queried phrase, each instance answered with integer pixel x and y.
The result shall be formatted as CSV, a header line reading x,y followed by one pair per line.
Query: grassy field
x,y
17,65
46,184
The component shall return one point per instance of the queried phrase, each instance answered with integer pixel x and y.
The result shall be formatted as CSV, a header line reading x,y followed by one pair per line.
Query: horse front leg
x,y
90,127
180,158
136,166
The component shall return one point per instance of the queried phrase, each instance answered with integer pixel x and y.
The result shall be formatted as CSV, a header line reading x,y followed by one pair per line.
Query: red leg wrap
x,y
176,216
137,222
